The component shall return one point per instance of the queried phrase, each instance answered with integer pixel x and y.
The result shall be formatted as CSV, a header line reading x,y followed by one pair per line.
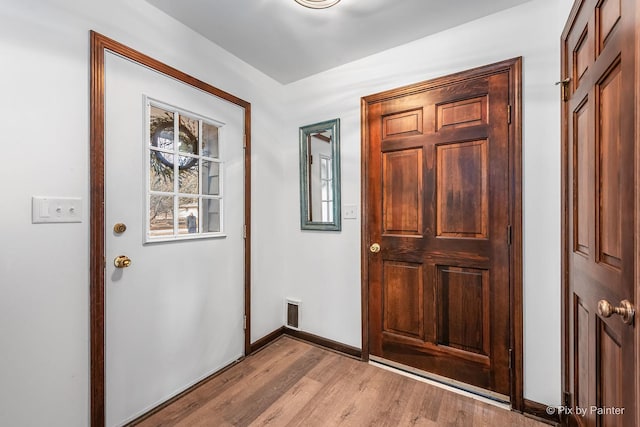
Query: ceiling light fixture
x,y
317,4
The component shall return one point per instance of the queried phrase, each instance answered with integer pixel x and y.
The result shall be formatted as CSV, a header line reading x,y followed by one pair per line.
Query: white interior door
x,y
175,315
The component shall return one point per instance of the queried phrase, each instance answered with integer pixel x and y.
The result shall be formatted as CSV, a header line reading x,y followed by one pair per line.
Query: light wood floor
x,y
293,383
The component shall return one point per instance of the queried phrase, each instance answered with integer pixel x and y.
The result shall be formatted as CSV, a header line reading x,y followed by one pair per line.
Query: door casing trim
x,y
514,69
99,45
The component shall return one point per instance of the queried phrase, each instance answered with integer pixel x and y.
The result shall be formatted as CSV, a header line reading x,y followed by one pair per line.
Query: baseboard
x,y
267,339
307,337
324,342
541,412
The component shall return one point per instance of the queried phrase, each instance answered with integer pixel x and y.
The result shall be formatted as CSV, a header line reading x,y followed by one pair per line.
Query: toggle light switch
x,y
56,209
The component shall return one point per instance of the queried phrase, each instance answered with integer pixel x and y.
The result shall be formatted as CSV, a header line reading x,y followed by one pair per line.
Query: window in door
x,y
326,188
184,186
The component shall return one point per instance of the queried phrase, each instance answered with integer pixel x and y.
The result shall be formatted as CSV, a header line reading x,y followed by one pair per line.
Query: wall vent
x,y
292,313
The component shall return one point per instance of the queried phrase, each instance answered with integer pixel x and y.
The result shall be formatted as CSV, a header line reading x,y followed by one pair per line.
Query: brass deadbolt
x,y
119,228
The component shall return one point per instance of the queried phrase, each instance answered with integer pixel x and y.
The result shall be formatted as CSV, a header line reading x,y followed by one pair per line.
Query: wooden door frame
x,y
564,268
636,175
514,69
99,46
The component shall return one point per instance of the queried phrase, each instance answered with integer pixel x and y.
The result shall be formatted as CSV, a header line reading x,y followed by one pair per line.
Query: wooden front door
x,y
439,224
599,60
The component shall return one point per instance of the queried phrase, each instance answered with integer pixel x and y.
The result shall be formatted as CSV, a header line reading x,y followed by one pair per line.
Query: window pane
x,y
211,178
188,180
324,174
160,174
160,216
188,215
211,215
325,190
188,135
327,211
161,128
210,140
163,138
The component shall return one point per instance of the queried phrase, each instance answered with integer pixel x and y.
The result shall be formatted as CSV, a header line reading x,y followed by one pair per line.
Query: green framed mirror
x,y
320,176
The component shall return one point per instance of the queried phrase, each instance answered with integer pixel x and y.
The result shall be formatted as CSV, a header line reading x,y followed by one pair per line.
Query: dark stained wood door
x,y
438,205
599,60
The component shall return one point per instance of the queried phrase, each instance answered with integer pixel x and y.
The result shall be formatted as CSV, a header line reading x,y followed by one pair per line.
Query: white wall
x,y
44,105
44,269
323,268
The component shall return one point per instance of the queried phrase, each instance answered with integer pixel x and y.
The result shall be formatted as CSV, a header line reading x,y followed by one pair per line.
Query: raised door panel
x,y
403,299
459,114
608,160
402,192
463,306
582,178
406,123
462,190
608,16
609,372
582,55
581,352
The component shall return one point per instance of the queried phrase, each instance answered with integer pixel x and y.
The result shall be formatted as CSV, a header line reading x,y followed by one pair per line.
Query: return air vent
x,y
293,313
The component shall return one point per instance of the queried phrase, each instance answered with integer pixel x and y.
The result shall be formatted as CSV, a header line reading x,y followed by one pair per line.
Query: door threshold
x,y
477,393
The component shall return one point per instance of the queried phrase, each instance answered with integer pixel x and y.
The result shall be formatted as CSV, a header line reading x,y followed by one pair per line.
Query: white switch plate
x,y
350,211
56,209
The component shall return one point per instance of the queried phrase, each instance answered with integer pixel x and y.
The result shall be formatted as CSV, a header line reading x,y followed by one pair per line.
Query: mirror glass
x,y
320,176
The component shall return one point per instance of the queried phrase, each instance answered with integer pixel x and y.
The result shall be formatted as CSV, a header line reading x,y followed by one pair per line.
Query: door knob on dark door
x,y
375,248
122,261
626,310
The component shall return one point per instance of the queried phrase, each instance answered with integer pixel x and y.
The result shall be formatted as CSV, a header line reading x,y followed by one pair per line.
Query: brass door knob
x,y
626,310
375,248
122,261
119,228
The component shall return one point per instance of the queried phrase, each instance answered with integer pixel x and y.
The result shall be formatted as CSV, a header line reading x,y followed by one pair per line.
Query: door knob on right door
x,y
626,310
375,248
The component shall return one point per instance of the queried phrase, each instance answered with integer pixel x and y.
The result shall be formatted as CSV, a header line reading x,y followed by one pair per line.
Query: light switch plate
x,y
55,209
350,211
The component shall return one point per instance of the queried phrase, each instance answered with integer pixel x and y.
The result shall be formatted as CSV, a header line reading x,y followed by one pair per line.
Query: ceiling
x,y
289,42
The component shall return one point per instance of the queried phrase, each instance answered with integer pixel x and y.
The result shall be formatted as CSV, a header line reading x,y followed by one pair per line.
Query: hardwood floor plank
x,y
191,402
291,383
228,387
284,410
244,411
456,410
390,391
225,407
328,367
334,403
423,407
